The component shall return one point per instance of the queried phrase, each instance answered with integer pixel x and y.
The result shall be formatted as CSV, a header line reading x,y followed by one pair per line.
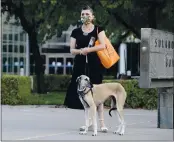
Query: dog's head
x,y
83,82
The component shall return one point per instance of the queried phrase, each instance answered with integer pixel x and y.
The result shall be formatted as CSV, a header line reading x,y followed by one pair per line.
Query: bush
x,y
15,89
137,97
53,83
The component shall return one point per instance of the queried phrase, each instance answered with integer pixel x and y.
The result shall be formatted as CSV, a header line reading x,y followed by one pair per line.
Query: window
x,y
10,64
52,65
21,37
21,62
16,37
4,48
10,36
15,65
15,48
4,36
69,65
5,64
59,65
10,48
21,49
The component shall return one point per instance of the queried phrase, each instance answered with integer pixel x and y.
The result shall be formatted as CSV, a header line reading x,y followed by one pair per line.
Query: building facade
x,y
15,50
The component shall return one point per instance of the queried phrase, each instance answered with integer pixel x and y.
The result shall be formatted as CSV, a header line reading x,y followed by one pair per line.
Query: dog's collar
x,y
82,93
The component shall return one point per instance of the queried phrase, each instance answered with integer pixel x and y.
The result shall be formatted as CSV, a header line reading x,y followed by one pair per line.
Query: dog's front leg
x,y
94,119
86,122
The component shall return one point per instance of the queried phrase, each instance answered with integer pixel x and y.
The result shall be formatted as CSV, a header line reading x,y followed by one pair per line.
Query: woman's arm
x,y
101,46
72,47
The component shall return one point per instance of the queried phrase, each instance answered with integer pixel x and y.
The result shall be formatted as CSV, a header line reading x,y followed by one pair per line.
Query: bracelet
x,y
81,51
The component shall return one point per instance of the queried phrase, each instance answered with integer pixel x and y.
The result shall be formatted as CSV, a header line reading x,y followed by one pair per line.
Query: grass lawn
x,y
52,98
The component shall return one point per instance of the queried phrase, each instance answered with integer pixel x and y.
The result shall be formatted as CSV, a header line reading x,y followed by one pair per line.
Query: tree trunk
x,y
39,69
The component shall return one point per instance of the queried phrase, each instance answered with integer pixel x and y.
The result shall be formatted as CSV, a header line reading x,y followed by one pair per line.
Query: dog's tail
x,y
113,106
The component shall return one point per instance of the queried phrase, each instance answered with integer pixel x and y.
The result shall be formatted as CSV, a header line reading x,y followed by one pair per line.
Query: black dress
x,y
94,68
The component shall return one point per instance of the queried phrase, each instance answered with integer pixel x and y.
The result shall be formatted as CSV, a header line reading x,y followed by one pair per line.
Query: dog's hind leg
x,y
121,127
101,118
120,104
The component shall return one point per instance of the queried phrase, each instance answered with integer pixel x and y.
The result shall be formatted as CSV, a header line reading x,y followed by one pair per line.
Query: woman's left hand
x,y
85,51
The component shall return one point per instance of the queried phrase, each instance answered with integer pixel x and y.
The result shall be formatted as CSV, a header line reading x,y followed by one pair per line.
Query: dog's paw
x,y
94,134
104,129
116,132
83,133
119,133
84,127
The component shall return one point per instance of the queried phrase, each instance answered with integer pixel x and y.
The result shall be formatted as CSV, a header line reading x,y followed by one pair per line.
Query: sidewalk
x,y
47,123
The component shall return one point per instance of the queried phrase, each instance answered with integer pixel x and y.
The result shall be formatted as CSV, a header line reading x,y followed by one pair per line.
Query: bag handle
x,y
97,31
97,36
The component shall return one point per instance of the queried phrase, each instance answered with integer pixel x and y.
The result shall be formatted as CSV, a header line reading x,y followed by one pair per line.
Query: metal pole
x,y
27,56
1,61
47,65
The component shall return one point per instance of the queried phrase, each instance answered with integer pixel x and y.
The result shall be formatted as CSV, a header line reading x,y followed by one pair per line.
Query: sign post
x,y
157,70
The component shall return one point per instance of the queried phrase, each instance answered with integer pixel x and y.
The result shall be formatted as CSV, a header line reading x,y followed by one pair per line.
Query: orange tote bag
x,y
107,56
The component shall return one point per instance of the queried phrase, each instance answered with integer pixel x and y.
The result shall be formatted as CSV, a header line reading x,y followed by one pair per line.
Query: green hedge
x,y
53,82
15,89
137,97
56,82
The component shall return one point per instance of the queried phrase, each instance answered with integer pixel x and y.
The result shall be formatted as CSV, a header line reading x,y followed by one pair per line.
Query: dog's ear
x,y
78,79
91,84
88,78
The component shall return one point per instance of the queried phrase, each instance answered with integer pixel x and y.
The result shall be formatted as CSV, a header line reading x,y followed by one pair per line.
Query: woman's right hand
x,y
85,51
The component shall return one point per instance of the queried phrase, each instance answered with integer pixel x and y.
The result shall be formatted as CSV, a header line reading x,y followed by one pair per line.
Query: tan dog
x,y
93,95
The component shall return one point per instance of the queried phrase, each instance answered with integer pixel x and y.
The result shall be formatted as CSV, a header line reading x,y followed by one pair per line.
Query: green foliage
x,y
137,97
51,17
57,82
54,82
15,89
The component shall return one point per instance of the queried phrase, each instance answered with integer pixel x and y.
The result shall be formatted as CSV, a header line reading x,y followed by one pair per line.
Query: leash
x,y
82,94
86,66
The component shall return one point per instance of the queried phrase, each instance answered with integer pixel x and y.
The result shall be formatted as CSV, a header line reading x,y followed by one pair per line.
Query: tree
x,y
41,20
136,14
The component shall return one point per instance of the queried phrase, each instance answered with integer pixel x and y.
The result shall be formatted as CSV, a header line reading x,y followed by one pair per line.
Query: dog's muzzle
x,y
81,92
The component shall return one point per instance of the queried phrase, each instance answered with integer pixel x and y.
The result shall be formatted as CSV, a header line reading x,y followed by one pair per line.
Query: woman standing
x,y
80,38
